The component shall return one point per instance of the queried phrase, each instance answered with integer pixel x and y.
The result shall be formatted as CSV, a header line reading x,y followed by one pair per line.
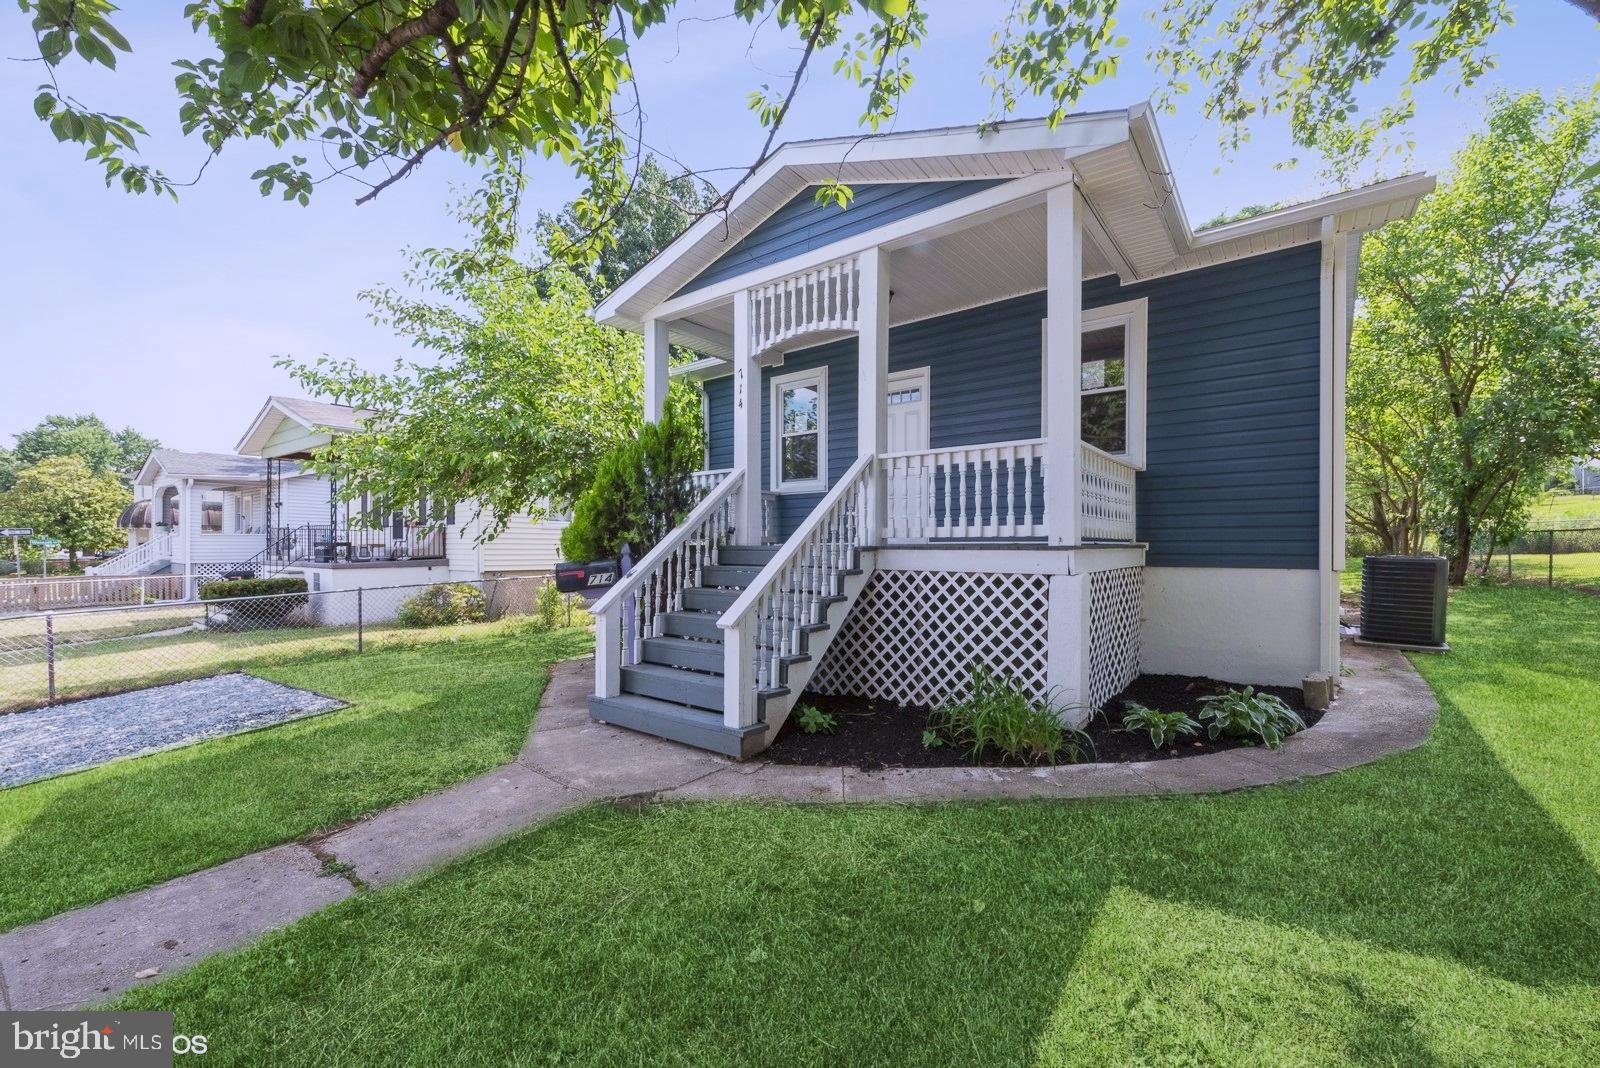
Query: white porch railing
x,y
157,549
822,299
1105,495
793,592
629,612
706,481
55,593
978,491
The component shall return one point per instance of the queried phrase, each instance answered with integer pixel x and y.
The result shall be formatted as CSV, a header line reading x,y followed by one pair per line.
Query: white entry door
x,y
907,405
908,410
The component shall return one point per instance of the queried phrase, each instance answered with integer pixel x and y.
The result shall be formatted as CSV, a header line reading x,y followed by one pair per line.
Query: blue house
x,y
1006,407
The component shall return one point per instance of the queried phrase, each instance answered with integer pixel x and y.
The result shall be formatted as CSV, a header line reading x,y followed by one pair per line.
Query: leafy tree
x,y
527,396
86,436
1475,365
8,468
660,208
61,498
370,88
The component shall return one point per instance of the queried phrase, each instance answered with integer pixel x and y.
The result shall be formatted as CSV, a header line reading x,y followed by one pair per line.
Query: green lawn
x,y
423,716
1565,508
1438,907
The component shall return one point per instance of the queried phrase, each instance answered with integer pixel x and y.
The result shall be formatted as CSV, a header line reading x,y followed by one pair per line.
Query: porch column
x,y
656,347
188,516
872,417
746,423
1063,349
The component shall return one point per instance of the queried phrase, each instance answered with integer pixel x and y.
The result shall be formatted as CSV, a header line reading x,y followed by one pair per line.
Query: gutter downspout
x,y
187,516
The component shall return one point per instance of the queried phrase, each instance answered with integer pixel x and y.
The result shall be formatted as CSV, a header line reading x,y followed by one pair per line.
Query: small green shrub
x,y
814,720
547,606
1248,714
261,587
640,491
931,739
443,604
1164,728
998,714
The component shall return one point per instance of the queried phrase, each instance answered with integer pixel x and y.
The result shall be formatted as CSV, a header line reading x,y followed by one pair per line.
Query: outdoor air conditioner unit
x,y
1403,600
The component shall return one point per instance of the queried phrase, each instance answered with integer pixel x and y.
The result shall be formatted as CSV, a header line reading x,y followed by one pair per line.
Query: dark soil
x,y
881,734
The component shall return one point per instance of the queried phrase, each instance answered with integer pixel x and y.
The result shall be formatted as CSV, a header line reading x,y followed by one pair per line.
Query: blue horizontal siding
x,y
1233,408
1233,396
802,224
719,423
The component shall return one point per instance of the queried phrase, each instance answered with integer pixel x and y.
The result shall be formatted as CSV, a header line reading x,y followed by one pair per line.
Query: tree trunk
x,y
72,558
1461,550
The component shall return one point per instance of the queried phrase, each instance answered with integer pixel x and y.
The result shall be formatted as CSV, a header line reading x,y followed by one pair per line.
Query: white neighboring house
x,y
1586,476
205,515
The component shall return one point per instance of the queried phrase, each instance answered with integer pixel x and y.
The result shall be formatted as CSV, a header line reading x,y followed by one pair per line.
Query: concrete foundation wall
x,y
1250,625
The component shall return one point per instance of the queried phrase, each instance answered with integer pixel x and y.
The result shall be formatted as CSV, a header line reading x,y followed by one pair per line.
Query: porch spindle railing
x,y
1105,495
706,481
979,491
656,583
158,548
793,592
822,299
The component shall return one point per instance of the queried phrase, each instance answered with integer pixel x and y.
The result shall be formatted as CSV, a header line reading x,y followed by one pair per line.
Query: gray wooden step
x,y
684,653
702,625
673,684
746,555
728,577
691,726
704,600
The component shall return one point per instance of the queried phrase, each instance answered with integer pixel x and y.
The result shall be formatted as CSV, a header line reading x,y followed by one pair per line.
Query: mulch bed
x,y
881,734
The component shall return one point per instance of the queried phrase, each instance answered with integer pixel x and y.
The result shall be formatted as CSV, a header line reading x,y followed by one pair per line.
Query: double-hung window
x,y
800,431
1111,379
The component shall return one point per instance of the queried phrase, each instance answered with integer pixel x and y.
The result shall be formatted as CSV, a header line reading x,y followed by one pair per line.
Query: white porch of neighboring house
x,y
837,546
194,514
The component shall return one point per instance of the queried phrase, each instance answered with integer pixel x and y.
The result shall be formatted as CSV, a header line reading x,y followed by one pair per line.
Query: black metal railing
x,y
323,543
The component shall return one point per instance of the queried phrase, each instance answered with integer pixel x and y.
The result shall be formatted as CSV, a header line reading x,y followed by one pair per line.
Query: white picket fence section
x,y
50,594
819,300
629,612
793,591
978,491
152,552
1105,495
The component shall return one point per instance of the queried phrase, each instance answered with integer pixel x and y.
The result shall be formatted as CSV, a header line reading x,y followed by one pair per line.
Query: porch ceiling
x,y
1004,257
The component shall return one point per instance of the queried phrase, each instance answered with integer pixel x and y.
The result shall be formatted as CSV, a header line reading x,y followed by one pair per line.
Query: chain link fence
x,y
1558,554
47,657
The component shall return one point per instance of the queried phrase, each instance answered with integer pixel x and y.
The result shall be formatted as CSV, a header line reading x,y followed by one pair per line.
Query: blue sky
x,y
167,316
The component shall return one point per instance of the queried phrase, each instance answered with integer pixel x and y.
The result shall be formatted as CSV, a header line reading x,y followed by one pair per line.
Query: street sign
x,y
15,532
44,543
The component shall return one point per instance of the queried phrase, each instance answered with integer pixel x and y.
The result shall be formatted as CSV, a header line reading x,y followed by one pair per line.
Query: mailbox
x,y
594,576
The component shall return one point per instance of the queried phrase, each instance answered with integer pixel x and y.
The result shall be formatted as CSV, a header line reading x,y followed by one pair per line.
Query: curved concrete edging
x,y
89,954
1384,707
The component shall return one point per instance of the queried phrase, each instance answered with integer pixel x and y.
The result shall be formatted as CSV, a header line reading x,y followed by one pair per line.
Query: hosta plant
x,y
1248,714
813,720
1163,728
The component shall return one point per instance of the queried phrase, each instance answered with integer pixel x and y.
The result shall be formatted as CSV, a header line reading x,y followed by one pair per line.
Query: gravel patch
x,y
70,737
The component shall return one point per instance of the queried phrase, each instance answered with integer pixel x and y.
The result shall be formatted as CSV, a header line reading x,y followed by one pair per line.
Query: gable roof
x,y
1115,157
222,466
313,415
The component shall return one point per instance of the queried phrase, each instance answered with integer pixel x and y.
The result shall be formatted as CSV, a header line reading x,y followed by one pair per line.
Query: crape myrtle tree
x,y
521,393
368,90
1475,362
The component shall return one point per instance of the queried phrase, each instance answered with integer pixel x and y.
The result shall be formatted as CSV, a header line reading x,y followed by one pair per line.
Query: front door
x,y
907,406
908,410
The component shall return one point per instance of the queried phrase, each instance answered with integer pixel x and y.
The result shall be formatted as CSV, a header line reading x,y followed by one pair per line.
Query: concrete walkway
x,y
85,956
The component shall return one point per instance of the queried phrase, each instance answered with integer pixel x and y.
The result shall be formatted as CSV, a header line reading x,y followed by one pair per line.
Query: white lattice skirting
x,y
913,636
1115,598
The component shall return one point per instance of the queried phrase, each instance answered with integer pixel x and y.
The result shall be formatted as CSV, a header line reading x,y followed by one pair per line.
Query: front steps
x,y
675,692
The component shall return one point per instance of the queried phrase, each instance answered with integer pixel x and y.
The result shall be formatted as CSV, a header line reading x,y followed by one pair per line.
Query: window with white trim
x,y
1111,380
800,431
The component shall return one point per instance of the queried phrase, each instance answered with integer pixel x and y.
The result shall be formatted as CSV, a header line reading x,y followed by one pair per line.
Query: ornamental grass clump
x,y
1248,714
998,714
